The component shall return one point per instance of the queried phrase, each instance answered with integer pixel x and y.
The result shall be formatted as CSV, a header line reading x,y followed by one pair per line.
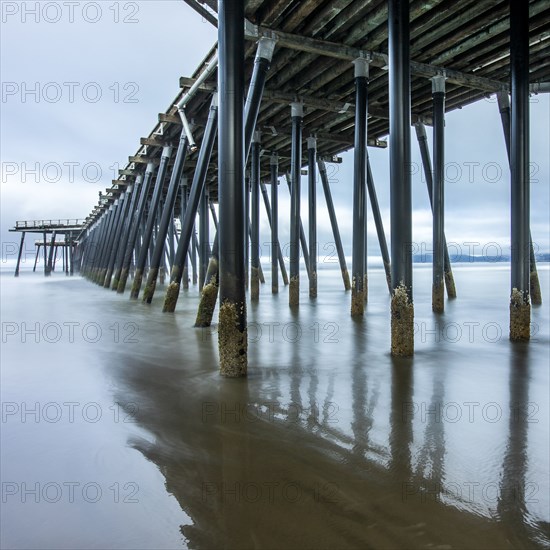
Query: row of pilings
x,y
138,230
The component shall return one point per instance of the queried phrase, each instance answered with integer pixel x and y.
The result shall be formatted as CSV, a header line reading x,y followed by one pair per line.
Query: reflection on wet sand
x,y
515,489
255,466
329,443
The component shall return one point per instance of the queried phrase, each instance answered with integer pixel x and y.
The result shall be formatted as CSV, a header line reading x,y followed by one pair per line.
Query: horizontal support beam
x,y
276,96
348,53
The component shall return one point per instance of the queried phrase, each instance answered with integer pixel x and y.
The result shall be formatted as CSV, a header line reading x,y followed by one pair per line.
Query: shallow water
x,y
118,432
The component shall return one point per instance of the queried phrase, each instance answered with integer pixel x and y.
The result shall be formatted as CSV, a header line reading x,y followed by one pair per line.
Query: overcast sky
x,y
83,81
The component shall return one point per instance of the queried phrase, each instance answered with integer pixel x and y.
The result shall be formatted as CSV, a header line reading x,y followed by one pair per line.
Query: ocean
x,y
118,432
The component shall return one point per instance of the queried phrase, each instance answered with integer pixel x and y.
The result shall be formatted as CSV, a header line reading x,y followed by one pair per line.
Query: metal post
x,y
187,234
334,223
246,229
71,254
171,231
36,258
45,256
303,241
150,226
534,284
297,113
279,252
66,249
20,253
255,215
312,217
214,215
379,225
167,219
438,93
209,293
427,164
359,186
520,307
402,309
262,62
232,330
274,169
365,252
183,200
204,224
193,255
50,255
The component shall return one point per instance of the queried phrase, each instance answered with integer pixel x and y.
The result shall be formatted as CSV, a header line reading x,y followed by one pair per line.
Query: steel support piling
x,y
334,223
45,256
204,236
302,241
312,214
36,258
359,186
402,309
427,166
379,225
534,283
20,254
279,252
520,307
255,215
50,255
233,339
438,94
209,293
274,222
297,113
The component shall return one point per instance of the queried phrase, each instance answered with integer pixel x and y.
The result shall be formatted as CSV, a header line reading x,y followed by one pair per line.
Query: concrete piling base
x,y
365,288
520,317
232,342
438,298
150,286
534,288
357,304
171,298
357,300
138,278
450,284
402,323
294,291
345,277
121,287
209,296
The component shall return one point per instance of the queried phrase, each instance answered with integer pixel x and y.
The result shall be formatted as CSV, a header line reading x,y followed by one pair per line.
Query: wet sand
x,y
329,442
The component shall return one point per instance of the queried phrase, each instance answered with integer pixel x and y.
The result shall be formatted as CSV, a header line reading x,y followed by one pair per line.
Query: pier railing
x,y
62,222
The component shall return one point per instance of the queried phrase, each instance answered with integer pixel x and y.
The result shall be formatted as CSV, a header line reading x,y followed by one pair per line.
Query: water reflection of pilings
x,y
516,490
401,429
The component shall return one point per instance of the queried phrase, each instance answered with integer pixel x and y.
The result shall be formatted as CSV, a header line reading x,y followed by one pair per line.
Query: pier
x,y
288,87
